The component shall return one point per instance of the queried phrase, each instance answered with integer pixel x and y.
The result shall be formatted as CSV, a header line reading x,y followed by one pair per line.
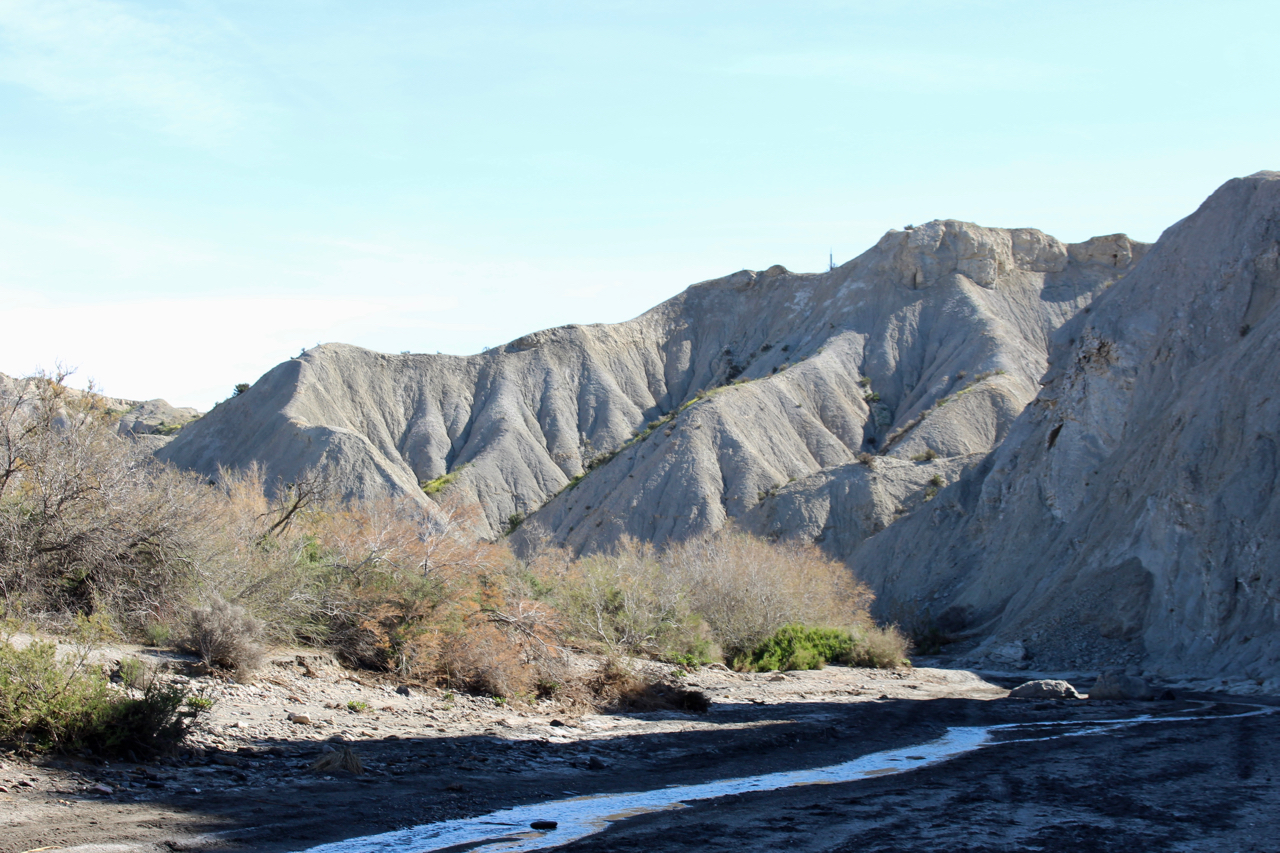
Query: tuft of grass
x,y
134,672
355,706
343,759
927,456
439,484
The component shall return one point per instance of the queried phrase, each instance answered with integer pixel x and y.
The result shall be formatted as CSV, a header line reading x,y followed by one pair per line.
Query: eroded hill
x,y
701,409
1131,514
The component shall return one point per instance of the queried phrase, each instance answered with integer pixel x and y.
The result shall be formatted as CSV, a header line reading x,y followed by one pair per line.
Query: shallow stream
x,y
509,830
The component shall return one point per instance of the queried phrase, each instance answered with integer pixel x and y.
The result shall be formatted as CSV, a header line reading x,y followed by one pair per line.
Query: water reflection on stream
x,y
508,830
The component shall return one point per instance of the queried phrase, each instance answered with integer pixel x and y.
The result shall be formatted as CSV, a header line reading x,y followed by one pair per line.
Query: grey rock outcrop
x,y
1045,689
155,418
1132,512
753,392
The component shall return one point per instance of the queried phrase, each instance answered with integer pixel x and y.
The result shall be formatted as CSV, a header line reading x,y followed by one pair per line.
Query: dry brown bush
x,y
879,647
226,636
485,659
87,521
630,603
404,578
617,688
257,553
747,588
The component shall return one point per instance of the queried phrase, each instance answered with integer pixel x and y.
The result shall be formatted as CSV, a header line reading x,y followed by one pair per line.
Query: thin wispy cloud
x,y
107,57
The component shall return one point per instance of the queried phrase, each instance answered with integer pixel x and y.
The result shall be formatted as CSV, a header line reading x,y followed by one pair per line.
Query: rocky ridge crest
x,y
702,409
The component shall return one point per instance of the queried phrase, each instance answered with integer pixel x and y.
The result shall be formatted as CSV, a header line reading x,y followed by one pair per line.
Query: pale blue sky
x,y
192,191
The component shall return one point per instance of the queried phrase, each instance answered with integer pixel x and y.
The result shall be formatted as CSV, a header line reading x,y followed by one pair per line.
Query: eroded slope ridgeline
x,y
929,343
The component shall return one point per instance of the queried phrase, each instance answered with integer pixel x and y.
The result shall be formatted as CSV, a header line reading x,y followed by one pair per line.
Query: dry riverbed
x,y
431,755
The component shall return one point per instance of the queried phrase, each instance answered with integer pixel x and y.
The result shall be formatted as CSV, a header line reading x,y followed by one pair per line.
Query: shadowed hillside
x,y
1131,514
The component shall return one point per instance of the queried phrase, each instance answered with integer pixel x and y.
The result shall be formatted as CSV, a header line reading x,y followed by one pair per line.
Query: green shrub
x,y
134,672
513,523
355,706
928,639
927,456
157,634
439,484
49,702
798,647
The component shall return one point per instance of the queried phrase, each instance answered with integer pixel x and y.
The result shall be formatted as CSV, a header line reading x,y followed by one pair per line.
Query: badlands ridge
x,y
1061,453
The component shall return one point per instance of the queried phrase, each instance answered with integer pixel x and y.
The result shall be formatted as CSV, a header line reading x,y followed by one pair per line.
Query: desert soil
x,y
1202,784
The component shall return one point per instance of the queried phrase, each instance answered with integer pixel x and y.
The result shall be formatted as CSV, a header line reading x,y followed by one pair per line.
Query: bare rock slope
x,y
734,394
1131,514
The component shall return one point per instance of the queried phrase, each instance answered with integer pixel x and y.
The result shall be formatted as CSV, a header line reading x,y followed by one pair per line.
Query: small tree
x,y
241,387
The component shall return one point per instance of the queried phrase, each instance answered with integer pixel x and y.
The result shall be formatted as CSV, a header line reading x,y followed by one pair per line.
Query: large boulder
x,y
1044,688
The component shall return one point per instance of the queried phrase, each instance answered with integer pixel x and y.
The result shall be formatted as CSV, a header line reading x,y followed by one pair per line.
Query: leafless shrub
x,y
747,588
879,647
631,603
226,636
87,520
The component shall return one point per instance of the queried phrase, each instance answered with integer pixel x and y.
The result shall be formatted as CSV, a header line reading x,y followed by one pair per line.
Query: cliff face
x,y
1131,513
705,407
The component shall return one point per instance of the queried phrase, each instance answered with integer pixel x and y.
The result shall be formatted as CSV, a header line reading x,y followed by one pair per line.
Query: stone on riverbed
x,y
1044,688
